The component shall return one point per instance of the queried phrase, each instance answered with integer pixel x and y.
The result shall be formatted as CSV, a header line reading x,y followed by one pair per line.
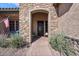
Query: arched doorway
x,y
39,24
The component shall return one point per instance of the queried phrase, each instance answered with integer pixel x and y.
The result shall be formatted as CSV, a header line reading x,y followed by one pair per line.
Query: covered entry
x,y
39,23
33,16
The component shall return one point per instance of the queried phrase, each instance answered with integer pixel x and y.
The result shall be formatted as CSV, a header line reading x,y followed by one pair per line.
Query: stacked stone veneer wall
x,y
25,18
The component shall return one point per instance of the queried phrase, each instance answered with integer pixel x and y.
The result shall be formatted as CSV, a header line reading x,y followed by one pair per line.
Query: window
x,y
17,25
14,26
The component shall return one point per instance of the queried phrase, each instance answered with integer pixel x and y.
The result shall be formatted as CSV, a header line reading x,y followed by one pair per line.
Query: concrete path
x,y
40,48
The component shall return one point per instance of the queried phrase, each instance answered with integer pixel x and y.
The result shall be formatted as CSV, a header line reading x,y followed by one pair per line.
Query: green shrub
x,y
61,44
3,41
16,41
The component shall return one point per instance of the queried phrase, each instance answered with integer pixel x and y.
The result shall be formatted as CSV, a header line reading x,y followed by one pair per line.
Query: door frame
x,y
44,22
30,21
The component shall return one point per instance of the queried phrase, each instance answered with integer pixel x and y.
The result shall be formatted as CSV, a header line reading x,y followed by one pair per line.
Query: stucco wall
x,y
69,22
63,8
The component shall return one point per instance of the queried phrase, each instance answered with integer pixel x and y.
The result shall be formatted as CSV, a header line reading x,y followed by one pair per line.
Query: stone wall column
x,y
53,22
24,22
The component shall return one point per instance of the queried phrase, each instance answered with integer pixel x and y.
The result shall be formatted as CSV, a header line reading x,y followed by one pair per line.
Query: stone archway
x,y
25,18
39,20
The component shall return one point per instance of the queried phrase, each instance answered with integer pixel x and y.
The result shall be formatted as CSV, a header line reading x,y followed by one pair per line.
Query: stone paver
x,y
40,48
21,52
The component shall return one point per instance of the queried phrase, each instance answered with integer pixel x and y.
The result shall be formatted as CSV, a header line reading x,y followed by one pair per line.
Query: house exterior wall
x,y
25,18
63,8
12,16
69,22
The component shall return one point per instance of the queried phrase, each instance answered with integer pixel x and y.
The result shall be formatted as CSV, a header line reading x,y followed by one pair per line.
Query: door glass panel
x,y
40,28
12,27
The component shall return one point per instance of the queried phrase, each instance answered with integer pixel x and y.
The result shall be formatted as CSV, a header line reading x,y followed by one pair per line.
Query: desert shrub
x,y
61,44
16,41
3,41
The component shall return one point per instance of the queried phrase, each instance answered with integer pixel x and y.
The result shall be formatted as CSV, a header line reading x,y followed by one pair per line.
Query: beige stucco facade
x,y
67,19
69,22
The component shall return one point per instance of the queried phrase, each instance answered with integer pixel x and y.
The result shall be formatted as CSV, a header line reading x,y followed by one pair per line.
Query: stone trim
x,y
30,11
25,18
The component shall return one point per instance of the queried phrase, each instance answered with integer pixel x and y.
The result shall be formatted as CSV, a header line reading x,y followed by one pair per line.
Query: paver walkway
x,y
40,48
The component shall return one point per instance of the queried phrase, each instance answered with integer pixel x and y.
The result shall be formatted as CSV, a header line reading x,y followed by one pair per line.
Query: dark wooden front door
x,y
40,28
